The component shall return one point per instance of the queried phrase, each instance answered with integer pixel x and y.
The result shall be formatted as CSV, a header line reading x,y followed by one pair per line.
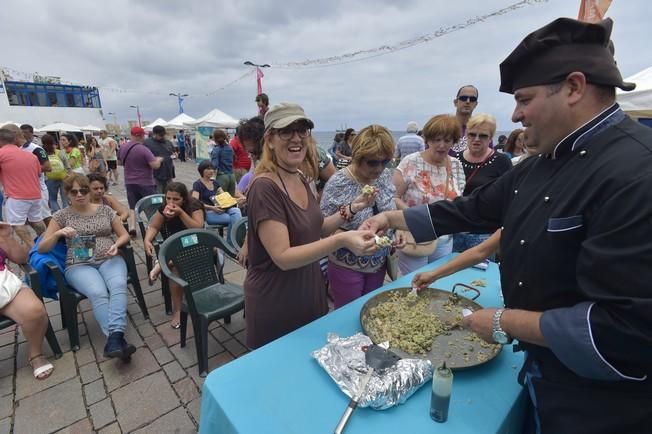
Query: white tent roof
x,y
215,118
90,128
178,121
639,101
158,121
59,127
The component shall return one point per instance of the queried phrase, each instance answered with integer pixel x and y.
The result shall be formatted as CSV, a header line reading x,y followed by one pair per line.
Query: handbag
x,y
225,200
10,284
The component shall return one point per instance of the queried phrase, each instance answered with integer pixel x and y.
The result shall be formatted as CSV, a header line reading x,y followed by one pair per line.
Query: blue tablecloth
x,y
280,388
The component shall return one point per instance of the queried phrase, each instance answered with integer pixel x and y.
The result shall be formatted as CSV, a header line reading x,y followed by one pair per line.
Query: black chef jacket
x,y
576,245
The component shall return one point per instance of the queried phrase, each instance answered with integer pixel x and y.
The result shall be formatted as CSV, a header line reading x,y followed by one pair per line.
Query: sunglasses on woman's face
x,y
288,132
376,163
474,136
84,191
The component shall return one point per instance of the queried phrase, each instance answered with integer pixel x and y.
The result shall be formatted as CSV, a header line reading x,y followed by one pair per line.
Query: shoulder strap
x,y
128,151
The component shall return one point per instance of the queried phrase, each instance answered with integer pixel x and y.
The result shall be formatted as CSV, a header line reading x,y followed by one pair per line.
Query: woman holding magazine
x,y
94,233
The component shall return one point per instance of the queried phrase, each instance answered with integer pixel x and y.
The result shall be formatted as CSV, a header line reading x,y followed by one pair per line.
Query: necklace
x,y
293,172
348,169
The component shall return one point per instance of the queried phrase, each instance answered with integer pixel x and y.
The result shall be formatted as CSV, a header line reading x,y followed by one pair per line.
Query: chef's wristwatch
x,y
499,335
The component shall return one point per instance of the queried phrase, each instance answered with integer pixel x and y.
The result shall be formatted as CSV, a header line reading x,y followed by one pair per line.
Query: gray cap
x,y
283,114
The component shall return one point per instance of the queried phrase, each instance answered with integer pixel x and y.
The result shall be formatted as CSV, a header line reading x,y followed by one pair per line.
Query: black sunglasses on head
x,y
466,98
376,163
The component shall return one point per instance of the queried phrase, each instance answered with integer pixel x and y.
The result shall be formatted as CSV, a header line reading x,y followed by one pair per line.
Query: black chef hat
x,y
550,53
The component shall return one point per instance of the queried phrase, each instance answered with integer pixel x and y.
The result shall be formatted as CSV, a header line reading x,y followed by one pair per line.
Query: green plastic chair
x,y
69,298
238,233
145,209
207,297
36,287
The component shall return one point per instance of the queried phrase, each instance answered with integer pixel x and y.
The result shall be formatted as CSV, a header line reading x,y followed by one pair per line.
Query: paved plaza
x,y
158,392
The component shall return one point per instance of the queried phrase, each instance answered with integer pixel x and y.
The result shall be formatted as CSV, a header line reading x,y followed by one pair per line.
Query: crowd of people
x,y
557,220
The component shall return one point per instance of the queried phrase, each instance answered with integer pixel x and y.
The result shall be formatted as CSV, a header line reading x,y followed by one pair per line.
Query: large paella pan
x,y
427,325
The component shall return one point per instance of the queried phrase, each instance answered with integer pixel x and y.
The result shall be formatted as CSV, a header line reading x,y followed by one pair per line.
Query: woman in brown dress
x,y
284,288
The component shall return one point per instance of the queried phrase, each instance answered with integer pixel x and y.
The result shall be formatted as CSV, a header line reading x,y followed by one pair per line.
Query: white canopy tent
x,y
59,127
157,122
90,128
216,119
179,121
638,103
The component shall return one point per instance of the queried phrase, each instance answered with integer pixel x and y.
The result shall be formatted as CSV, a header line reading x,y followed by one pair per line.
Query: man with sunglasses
x,y
465,102
576,228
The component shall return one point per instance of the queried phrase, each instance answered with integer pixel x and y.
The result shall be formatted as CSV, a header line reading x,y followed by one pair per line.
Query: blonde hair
x,y
269,164
372,141
481,119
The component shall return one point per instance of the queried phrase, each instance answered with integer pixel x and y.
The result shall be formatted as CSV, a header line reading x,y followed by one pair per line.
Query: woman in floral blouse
x,y
426,177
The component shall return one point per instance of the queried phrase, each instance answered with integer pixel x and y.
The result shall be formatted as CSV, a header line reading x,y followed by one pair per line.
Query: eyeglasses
x,y
376,163
466,98
474,136
288,132
84,191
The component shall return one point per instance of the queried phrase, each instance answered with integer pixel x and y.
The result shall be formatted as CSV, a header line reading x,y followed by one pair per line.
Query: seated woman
x,y
284,288
99,186
351,275
205,189
19,303
93,264
179,212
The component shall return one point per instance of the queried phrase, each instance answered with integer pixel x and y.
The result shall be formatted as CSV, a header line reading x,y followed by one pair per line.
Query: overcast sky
x,y
198,46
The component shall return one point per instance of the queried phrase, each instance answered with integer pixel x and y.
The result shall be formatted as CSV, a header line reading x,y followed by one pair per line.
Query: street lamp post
x,y
180,96
137,107
259,73
115,120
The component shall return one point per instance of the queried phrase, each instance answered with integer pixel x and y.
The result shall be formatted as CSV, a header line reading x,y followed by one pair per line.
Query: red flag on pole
x,y
592,11
259,79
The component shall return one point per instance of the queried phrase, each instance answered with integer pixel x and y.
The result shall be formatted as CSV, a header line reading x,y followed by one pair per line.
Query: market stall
x,y
280,388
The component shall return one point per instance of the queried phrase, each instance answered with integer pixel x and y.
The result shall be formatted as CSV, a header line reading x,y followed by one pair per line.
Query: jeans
x,y
464,241
228,217
55,188
105,285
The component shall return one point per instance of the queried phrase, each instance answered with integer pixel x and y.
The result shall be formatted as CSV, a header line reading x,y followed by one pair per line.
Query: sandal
x,y
175,325
44,371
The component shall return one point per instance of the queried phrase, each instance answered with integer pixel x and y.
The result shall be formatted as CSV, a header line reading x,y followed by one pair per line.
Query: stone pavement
x,y
158,392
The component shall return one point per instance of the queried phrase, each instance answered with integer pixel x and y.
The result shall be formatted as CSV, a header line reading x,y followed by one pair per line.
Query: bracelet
x,y
343,214
351,209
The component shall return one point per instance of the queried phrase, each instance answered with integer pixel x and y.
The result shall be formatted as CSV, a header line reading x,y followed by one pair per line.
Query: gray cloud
x,y
197,46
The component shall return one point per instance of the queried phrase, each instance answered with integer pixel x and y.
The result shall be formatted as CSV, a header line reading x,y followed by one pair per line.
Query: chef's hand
x,y
481,322
376,224
400,239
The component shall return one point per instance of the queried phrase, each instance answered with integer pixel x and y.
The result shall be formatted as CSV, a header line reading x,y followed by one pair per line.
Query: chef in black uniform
x,y
577,236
